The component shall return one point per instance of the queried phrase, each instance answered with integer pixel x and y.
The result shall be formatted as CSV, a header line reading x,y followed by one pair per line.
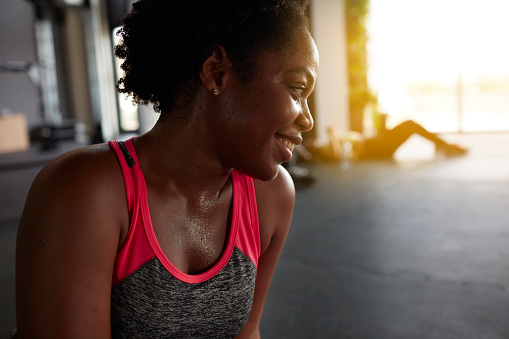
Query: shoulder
x,y
92,169
81,160
277,193
275,200
67,240
74,184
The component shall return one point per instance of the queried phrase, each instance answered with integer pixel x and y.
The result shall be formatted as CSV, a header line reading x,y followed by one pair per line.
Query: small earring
x,y
216,92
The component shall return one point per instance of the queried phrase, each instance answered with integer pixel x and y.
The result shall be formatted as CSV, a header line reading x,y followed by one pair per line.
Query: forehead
x,y
300,56
306,53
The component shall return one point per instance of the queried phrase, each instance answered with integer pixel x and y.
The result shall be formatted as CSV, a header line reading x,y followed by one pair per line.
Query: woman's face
x,y
262,121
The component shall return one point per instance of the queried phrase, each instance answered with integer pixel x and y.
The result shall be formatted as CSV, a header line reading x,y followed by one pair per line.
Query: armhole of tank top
x,y
248,240
255,223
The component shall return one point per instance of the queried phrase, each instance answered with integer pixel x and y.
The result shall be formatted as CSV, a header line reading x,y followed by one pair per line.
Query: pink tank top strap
x,y
127,163
136,250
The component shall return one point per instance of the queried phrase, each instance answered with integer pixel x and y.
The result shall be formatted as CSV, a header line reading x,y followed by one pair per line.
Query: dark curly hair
x,y
164,42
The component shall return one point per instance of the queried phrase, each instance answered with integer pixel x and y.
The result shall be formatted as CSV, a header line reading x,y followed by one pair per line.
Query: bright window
x,y
443,63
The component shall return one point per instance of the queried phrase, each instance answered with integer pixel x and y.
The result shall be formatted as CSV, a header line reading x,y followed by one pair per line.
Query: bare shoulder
x,y
85,179
280,191
67,241
275,200
91,162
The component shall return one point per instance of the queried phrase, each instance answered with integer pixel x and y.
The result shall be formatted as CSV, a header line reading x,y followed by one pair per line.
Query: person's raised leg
x,y
388,141
399,134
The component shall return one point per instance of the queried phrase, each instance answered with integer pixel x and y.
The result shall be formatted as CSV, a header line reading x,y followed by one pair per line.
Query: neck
x,y
176,155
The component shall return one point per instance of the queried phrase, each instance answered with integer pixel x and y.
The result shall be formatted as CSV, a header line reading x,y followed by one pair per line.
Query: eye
x,y
299,90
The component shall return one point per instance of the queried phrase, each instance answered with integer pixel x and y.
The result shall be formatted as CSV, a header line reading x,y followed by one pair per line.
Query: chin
x,y
265,174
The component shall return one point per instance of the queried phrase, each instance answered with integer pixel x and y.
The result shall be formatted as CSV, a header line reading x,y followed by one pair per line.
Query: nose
x,y
305,120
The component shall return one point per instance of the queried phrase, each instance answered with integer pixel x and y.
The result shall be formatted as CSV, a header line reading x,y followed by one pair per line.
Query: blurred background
x,y
415,246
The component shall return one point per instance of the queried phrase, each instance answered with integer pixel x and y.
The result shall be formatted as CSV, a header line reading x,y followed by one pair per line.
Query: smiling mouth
x,y
287,143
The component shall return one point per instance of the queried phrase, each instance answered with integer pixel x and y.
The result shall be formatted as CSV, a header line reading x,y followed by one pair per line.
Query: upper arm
x,y
275,200
66,245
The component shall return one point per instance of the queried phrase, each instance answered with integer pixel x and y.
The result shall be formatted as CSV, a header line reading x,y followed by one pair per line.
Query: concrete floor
x,y
412,248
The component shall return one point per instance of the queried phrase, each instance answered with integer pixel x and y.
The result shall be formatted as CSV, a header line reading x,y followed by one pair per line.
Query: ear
x,y
213,69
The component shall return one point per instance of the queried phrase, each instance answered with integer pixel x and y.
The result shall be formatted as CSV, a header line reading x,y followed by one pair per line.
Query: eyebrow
x,y
305,71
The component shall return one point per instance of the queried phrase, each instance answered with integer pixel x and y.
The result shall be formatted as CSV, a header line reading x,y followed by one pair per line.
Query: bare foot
x,y
451,149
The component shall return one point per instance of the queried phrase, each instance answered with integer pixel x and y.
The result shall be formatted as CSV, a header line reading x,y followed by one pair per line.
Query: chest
x,y
192,236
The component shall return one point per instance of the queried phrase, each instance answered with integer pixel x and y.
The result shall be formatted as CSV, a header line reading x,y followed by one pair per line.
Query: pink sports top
x,y
151,298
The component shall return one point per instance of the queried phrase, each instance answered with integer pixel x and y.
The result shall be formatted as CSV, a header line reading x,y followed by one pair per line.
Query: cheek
x,y
284,113
255,120
280,109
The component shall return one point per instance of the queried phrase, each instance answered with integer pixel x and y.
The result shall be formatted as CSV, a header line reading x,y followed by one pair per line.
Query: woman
x,y
167,235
